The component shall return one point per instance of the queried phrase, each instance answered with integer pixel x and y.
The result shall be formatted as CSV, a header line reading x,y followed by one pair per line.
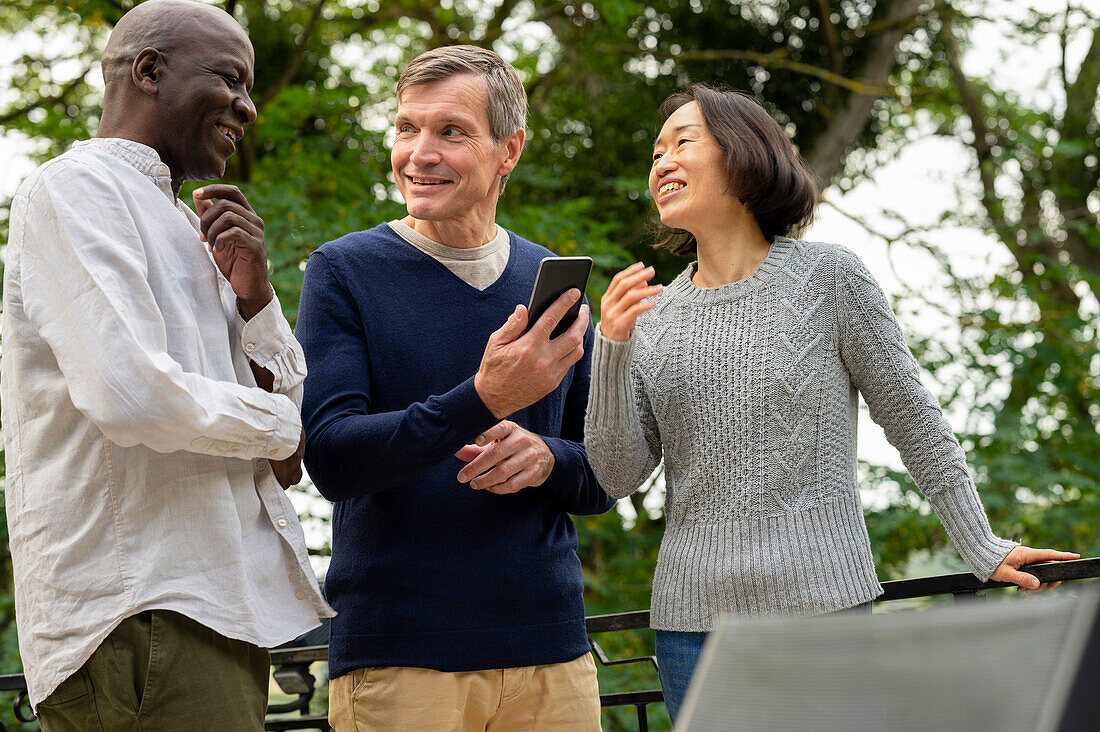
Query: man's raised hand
x,y
235,235
517,368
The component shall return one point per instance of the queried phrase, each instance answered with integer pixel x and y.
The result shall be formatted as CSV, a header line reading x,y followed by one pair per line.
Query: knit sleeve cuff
x,y
465,411
962,514
611,401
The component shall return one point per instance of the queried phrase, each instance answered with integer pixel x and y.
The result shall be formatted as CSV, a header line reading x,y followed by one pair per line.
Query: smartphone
x,y
558,275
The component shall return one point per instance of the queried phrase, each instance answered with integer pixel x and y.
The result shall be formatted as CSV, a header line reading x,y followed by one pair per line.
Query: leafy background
x,y
855,83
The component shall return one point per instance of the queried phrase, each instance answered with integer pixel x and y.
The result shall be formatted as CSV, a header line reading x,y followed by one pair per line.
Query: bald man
x,y
150,391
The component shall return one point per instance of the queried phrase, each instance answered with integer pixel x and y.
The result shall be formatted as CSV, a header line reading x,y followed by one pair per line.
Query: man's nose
x,y
245,107
425,151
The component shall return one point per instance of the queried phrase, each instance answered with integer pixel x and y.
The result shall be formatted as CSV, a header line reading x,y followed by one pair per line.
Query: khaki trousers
x,y
560,696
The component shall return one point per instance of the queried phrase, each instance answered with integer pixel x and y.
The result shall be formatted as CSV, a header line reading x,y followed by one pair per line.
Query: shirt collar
x,y
142,157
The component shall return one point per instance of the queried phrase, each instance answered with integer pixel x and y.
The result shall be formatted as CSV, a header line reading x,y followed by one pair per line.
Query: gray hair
x,y
507,99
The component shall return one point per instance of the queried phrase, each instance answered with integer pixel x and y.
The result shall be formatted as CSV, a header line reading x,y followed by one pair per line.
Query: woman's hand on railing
x,y
1008,570
625,299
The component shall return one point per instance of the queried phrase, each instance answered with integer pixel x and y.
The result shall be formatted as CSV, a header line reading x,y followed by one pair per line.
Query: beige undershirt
x,y
478,266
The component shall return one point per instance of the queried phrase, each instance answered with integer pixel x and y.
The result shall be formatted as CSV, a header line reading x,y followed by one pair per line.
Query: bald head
x,y
179,75
166,25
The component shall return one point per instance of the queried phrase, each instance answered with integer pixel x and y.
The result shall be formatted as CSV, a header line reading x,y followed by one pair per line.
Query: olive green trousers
x,y
159,672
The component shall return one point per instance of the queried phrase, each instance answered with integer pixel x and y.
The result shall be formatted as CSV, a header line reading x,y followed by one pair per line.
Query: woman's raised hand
x,y
625,300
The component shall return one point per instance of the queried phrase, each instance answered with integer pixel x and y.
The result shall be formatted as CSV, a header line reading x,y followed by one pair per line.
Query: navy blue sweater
x,y
426,571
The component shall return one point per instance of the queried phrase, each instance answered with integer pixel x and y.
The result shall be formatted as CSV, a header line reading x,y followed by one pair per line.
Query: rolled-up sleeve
x,y
268,341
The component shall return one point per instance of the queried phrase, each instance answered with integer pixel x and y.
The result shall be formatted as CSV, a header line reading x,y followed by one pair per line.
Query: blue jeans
x,y
677,654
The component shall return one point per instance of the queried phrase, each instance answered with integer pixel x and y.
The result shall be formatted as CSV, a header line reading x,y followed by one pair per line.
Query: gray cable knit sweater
x,y
749,392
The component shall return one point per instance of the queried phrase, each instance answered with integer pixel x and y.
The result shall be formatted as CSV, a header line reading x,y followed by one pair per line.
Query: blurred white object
x,y
1001,667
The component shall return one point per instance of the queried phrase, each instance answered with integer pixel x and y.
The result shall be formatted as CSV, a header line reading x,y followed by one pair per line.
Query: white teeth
x,y
669,187
425,181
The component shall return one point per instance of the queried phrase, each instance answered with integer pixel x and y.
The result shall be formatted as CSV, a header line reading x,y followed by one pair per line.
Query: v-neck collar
x,y
458,281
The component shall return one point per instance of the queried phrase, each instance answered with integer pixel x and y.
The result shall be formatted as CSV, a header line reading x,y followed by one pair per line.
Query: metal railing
x,y
294,677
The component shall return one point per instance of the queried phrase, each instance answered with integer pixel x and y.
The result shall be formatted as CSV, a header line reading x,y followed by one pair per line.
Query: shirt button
x,y
250,347
300,595
162,170
293,577
281,523
261,466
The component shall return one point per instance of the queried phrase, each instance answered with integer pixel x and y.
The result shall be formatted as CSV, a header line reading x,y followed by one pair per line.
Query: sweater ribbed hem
x,y
461,650
802,563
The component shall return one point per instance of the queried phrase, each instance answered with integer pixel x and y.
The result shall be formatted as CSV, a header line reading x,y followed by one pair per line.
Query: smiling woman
x,y
742,375
736,149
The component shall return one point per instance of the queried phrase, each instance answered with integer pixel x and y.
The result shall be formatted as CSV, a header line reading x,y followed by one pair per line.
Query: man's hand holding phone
x,y
517,368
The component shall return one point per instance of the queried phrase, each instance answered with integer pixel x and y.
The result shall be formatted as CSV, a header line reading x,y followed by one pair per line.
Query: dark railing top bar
x,y
965,582
305,654
633,620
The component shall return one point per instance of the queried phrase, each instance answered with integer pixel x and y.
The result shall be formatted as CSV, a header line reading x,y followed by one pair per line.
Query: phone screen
x,y
556,276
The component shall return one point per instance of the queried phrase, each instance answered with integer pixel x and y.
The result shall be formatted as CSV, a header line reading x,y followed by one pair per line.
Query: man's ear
x,y
513,146
147,70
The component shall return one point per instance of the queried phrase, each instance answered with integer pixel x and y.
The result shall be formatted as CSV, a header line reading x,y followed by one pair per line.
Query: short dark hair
x,y
765,171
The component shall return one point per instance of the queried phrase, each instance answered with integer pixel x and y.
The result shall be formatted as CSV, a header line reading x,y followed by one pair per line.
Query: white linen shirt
x,y
136,439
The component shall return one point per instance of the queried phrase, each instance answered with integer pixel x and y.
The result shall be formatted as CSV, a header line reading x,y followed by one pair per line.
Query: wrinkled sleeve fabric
x,y
621,432
572,479
351,451
884,371
268,341
86,292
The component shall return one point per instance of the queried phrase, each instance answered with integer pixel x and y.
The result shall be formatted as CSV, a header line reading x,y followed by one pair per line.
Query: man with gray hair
x,y
450,443
149,397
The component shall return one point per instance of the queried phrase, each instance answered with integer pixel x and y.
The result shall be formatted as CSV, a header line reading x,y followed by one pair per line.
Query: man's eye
x,y
230,80
452,132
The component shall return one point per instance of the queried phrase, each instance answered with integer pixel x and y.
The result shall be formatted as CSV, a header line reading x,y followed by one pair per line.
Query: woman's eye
x,y
656,157
682,141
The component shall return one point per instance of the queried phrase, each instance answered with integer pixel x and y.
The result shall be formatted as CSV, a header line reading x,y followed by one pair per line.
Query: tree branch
x,y
1081,99
295,59
779,60
831,148
774,60
69,88
820,9
975,112
496,25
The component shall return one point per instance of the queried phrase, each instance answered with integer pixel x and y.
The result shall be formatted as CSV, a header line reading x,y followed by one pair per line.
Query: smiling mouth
x,y
418,181
671,187
230,133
